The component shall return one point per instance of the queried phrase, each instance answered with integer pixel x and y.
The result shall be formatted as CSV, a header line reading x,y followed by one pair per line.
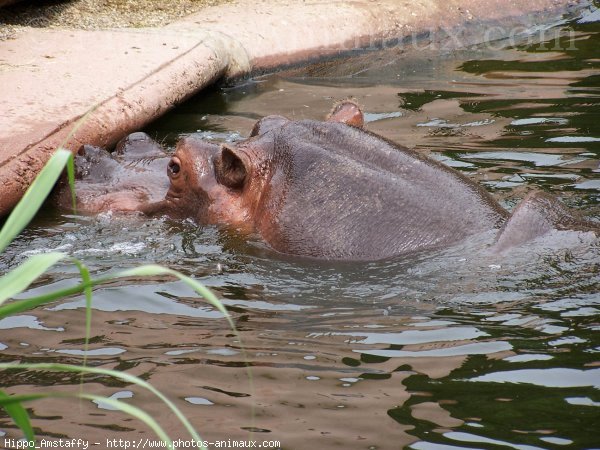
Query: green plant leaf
x,y
112,373
17,306
87,289
19,416
142,271
34,197
133,411
71,180
19,279
153,270
12,400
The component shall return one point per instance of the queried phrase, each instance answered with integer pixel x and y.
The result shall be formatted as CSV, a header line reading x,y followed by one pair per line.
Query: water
x,y
452,349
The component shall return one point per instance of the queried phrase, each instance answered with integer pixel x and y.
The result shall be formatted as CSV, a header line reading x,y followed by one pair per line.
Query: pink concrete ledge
x,y
69,87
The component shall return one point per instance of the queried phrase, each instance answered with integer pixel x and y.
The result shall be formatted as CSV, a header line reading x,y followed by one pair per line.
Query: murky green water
x,y
453,349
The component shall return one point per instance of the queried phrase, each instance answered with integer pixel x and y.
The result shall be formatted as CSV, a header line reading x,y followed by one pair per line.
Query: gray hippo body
x,y
327,190
348,194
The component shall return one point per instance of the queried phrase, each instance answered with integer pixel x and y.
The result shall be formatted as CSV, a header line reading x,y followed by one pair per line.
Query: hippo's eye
x,y
174,167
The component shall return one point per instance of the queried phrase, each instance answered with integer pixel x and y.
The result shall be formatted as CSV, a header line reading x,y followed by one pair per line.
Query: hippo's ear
x,y
267,124
348,112
230,168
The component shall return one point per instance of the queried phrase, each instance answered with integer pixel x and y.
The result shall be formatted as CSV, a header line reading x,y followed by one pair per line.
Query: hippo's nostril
x,y
174,167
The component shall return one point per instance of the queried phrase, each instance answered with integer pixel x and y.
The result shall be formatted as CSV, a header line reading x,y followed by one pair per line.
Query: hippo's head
x,y
214,183
227,183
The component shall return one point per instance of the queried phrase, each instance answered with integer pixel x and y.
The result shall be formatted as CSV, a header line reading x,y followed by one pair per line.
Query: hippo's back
x,y
338,192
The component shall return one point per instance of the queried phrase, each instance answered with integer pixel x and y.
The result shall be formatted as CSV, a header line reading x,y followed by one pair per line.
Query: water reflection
x,y
554,377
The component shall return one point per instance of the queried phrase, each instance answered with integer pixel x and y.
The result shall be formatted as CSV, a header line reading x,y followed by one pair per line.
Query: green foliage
x,y
35,196
18,414
14,401
20,278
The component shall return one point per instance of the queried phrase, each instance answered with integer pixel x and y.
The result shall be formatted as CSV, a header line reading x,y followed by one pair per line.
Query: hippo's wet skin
x,y
321,189
126,180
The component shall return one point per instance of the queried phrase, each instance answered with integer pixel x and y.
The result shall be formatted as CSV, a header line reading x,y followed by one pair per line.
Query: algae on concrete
x,y
96,14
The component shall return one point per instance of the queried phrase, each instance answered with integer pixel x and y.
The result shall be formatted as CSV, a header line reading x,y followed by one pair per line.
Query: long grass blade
x,y
147,270
34,197
153,270
71,180
87,289
19,416
134,411
142,271
111,373
19,279
18,306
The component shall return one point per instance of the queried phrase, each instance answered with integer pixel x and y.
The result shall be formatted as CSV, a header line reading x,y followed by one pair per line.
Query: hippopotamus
x,y
323,189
